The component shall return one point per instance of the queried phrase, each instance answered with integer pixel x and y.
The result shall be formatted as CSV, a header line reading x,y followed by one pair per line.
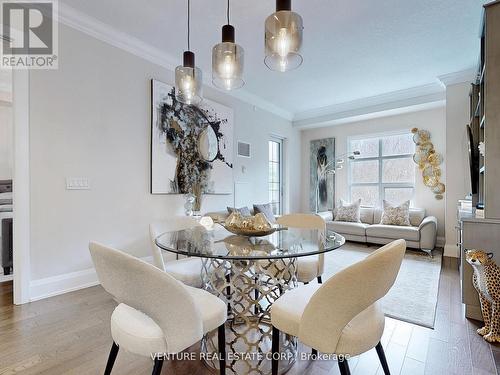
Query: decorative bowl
x,y
249,232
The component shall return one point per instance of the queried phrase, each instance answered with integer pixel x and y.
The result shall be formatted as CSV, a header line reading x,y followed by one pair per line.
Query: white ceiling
x,y
353,49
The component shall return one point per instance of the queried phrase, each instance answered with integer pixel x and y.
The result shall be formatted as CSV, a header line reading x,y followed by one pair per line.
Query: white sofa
x,y
420,235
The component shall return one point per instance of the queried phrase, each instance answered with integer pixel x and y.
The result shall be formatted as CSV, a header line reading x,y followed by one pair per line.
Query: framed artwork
x,y
322,175
191,146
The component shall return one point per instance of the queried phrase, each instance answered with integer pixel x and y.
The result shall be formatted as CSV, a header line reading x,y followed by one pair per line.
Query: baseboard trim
x,y
451,251
66,283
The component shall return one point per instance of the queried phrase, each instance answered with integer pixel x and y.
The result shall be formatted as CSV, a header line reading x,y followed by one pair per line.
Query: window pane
x,y
396,196
367,147
276,150
368,194
398,170
364,171
401,144
270,151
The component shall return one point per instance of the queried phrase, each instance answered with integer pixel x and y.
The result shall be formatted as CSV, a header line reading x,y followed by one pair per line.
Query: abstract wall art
x,y
191,146
322,175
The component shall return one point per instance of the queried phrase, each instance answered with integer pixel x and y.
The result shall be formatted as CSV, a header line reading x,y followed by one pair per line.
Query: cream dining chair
x,y
343,315
187,270
309,267
157,314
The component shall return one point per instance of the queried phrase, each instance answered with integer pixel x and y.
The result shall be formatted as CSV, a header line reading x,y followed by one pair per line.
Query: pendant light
x,y
283,38
227,60
188,78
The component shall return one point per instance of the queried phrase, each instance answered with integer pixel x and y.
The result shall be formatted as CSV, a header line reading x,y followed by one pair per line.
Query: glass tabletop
x,y
220,243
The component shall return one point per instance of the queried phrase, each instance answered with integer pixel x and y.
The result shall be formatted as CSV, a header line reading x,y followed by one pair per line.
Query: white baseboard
x,y
65,283
451,250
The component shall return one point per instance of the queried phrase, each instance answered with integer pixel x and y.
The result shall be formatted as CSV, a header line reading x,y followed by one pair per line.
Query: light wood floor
x,y
70,334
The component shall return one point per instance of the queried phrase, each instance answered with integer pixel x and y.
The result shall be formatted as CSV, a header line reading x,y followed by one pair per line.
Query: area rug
x,y
413,298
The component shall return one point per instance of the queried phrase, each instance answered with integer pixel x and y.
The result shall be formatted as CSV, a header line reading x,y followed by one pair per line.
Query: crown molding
x,y
463,76
105,33
396,102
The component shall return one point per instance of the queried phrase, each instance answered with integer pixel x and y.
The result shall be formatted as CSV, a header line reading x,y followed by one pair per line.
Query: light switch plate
x,y
77,183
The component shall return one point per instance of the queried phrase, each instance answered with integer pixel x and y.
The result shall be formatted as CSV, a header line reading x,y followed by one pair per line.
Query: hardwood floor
x,y
70,334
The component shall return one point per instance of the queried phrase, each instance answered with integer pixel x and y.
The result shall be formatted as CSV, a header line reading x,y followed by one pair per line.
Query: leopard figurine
x,y
486,280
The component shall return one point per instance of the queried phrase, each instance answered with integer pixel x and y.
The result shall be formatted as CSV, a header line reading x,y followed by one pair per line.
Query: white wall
x,y
433,120
6,141
458,176
91,118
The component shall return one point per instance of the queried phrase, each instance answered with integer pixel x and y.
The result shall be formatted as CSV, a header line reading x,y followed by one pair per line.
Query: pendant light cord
x,y
189,26
228,12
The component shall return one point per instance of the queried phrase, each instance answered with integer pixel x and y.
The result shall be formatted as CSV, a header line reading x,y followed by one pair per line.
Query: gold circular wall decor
x,y
428,161
439,188
431,181
435,159
421,136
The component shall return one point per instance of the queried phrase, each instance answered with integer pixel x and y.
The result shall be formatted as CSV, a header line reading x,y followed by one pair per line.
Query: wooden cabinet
x,y
481,234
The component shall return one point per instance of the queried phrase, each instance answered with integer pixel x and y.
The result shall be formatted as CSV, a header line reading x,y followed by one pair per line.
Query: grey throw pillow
x,y
244,211
348,212
267,210
399,215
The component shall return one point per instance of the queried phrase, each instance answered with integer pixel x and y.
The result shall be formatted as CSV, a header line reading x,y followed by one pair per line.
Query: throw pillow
x,y
244,211
399,215
265,209
349,212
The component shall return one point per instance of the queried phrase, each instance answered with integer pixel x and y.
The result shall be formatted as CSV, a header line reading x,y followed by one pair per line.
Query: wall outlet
x,y
77,183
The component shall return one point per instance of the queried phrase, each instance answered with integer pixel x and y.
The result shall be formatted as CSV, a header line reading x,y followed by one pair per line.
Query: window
x,y
384,169
276,174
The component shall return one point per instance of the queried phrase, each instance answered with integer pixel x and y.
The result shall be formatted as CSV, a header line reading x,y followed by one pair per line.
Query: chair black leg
x,y
111,359
383,360
320,280
157,367
275,349
314,353
228,292
344,367
222,348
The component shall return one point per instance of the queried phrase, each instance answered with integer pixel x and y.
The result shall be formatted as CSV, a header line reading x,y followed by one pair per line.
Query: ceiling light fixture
x,y
188,78
283,38
227,60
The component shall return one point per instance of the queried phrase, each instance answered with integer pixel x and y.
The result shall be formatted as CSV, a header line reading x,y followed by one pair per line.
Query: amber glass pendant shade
x,y
228,62
283,38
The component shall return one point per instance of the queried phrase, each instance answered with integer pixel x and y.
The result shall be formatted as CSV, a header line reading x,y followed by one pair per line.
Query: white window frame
x,y
380,158
280,141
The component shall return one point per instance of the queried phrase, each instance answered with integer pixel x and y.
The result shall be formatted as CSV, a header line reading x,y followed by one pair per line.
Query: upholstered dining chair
x,y
187,270
310,267
156,314
343,315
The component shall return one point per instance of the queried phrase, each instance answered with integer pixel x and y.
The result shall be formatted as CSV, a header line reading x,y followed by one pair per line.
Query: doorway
x,y
6,187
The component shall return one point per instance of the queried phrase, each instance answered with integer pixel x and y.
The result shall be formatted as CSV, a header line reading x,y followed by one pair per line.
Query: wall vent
x,y
244,149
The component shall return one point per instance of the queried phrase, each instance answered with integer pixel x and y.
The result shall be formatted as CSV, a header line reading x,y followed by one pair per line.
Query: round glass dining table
x,y
249,274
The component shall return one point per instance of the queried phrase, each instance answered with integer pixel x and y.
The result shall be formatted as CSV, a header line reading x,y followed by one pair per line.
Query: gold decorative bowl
x,y
249,232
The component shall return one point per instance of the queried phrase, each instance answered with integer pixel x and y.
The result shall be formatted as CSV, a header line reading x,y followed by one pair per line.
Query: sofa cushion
x,y
343,227
393,231
267,210
348,211
244,211
417,215
396,215
366,215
